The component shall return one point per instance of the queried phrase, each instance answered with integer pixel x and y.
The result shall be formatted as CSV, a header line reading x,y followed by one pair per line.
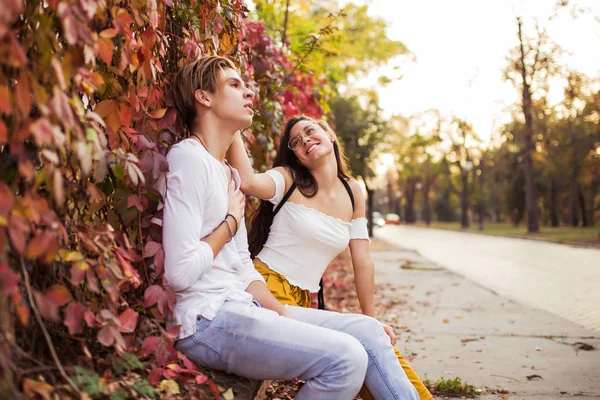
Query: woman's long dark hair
x,y
262,218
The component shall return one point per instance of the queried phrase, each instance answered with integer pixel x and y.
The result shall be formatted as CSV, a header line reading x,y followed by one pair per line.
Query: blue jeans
x,y
334,353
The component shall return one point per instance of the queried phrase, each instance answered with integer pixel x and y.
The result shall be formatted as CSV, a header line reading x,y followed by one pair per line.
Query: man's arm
x,y
252,279
188,255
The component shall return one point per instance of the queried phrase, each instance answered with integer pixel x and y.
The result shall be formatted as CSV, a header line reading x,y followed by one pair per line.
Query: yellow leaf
x,y
228,395
73,256
158,113
31,388
3,221
169,387
225,42
109,33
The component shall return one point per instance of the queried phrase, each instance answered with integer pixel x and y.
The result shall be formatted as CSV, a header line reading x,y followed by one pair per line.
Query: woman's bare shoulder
x,y
356,187
286,175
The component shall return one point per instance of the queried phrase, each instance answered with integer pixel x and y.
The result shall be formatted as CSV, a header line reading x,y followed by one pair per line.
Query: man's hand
x,y
236,203
390,332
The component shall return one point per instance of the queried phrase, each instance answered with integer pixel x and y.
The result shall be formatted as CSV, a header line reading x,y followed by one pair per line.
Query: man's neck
x,y
215,137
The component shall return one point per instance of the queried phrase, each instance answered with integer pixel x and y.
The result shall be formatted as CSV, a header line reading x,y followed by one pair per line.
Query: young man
x,y
230,320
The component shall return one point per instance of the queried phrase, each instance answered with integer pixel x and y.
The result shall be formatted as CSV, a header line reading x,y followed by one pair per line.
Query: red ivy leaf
x,y
21,307
78,270
105,336
128,320
5,100
42,132
152,294
109,33
155,376
74,318
92,280
173,331
151,249
105,49
69,22
135,200
129,271
201,378
3,133
38,245
165,353
59,295
9,280
149,344
18,230
159,261
90,319
153,13
48,309
189,364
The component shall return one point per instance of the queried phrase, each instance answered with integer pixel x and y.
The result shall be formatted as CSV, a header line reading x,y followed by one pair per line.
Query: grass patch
x,y
587,235
451,388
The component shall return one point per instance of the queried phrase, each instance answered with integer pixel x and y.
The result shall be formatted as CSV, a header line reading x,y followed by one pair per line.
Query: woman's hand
x,y
236,203
390,332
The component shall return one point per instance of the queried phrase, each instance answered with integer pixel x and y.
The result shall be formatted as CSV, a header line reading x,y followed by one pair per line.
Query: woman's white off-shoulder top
x,y
303,241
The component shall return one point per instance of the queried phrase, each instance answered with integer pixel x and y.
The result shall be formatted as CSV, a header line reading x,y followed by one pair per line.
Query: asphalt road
x,y
560,279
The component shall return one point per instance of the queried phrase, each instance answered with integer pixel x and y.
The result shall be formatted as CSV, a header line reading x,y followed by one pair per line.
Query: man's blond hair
x,y
204,73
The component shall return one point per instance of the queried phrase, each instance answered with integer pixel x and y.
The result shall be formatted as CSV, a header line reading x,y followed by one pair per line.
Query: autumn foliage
x,y
85,125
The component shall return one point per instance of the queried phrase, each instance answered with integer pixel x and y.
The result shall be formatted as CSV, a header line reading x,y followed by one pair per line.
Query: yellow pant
x,y
294,296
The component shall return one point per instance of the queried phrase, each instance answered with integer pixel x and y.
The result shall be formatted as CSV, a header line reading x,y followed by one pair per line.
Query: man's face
x,y
232,100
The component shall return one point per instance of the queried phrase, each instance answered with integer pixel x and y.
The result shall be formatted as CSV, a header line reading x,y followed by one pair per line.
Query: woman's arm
x,y
364,269
364,272
261,293
254,184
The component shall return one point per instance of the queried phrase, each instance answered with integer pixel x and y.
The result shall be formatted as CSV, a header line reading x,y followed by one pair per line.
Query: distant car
x,y
392,219
378,220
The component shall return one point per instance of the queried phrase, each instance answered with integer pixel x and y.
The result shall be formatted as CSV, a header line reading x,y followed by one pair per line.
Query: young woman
x,y
322,214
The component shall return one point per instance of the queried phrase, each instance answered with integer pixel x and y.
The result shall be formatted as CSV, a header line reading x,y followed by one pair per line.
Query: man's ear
x,y
202,97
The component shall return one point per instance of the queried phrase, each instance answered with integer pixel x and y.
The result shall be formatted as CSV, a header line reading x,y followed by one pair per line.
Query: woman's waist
x,y
305,274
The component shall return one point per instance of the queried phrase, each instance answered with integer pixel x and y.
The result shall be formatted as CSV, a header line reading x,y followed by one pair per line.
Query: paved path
x,y
449,327
560,279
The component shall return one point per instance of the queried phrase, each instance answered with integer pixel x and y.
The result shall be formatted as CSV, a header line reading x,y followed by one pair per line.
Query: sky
x,y
461,47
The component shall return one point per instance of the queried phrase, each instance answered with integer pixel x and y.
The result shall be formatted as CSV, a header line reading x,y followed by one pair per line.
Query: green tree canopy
x,y
325,38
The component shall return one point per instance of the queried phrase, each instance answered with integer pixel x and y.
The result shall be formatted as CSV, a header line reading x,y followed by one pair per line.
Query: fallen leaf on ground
x,y
228,395
532,377
583,346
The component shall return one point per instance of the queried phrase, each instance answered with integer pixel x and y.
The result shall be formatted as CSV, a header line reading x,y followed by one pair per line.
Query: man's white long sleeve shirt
x,y
195,204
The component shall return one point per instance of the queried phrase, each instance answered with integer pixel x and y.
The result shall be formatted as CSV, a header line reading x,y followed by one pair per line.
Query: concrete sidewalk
x,y
453,327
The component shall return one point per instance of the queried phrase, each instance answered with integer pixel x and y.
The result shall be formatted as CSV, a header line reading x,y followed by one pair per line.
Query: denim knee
x,y
353,356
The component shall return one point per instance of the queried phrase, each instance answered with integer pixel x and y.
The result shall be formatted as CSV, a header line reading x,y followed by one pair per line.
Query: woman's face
x,y
309,142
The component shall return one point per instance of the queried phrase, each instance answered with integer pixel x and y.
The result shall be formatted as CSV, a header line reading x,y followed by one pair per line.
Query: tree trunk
x,y
464,201
426,205
584,219
285,24
530,189
409,208
481,202
553,207
594,192
390,196
573,214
